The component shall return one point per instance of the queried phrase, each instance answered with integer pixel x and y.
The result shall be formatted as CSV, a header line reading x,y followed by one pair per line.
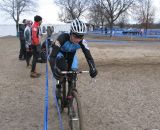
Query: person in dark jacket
x,y
63,52
22,52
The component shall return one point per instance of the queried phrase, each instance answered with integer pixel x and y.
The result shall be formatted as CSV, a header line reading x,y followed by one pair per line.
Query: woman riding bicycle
x,y
63,53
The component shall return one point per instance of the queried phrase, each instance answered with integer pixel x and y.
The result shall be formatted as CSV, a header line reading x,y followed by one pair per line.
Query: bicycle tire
x,y
60,102
62,98
75,116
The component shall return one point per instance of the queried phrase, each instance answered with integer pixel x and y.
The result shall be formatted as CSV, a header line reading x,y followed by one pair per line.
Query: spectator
x,y
49,31
22,52
142,32
105,29
27,36
44,29
36,47
52,29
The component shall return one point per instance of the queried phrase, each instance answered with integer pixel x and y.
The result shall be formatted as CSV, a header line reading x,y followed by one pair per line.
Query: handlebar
x,y
74,72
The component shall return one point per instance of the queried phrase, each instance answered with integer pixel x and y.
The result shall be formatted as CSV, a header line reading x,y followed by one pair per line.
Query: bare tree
x,y
63,15
144,12
123,20
96,14
71,9
113,9
14,8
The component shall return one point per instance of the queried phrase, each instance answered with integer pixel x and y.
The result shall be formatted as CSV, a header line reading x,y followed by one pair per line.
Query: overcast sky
x,y
49,11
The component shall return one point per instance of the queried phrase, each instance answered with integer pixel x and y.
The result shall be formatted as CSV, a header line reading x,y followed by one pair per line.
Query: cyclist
x,y
63,52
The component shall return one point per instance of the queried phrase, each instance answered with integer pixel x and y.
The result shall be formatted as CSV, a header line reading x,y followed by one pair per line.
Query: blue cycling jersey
x,y
65,49
68,46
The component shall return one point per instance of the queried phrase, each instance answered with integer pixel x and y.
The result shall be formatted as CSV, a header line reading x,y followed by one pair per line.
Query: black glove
x,y
93,72
61,65
57,74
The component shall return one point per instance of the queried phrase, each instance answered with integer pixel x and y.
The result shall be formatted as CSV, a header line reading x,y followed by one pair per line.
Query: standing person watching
x,y
36,47
22,52
27,36
49,31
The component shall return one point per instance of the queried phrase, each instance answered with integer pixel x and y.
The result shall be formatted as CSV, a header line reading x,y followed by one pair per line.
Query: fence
x,y
150,33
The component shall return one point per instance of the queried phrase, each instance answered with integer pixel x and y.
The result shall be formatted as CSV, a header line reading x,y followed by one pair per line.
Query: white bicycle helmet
x,y
78,27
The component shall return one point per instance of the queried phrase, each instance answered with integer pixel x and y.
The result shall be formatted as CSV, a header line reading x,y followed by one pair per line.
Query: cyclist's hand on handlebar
x,y
93,72
57,73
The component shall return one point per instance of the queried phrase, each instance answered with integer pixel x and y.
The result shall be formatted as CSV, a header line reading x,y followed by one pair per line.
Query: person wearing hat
x,y
35,44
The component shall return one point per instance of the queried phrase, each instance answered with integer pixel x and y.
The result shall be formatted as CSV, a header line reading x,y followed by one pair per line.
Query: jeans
x,y
35,53
28,56
22,52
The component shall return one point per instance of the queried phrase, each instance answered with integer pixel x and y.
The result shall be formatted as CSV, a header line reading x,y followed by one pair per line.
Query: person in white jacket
x,y
27,36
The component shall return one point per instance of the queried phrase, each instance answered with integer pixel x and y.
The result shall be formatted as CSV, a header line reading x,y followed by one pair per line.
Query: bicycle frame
x,y
67,95
71,87
70,99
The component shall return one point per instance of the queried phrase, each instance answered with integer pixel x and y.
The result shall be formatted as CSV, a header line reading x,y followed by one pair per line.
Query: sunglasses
x,y
77,35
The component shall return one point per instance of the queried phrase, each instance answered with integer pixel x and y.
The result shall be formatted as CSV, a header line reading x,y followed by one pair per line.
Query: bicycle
x,y
71,100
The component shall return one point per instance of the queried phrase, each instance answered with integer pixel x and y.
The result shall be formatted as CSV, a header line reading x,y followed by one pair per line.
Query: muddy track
x,y
125,95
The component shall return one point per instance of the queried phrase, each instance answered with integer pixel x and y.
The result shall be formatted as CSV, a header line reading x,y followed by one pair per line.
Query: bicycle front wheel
x,y
75,113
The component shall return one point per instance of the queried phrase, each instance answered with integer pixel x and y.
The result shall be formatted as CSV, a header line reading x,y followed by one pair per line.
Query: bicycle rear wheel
x,y
75,112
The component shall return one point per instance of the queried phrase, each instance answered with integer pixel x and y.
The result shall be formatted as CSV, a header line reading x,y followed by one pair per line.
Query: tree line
x,y
99,12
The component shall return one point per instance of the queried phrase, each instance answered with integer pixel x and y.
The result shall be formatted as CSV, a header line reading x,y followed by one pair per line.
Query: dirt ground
x,y
125,96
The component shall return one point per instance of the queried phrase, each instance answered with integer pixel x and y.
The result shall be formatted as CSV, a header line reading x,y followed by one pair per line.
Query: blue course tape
x,y
46,94
56,102
54,95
